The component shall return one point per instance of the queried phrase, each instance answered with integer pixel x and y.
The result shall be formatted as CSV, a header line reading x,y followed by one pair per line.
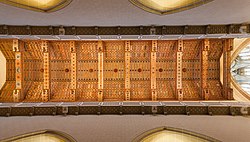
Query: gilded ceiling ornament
x,y
38,5
163,7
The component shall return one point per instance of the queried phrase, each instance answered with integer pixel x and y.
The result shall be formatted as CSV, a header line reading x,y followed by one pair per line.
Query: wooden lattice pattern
x,y
87,71
114,70
114,53
140,70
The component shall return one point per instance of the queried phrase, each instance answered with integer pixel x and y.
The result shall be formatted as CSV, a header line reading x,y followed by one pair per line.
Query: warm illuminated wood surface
x,y
153,70
73,84
127,70
227,90
17,93
46,72
117,70
204,68
179,70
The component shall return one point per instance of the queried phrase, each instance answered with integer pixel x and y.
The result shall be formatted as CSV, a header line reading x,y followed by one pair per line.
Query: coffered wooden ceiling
x,y
123,13
116,70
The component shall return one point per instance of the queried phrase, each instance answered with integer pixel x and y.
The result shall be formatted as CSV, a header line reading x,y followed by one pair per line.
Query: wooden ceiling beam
x,y
100,70
227,48
127,69
179,54
18,92
73,71
153,70
204,68
46,72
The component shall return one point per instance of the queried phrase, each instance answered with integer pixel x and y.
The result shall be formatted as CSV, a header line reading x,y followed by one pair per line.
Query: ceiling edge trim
x,y
231,29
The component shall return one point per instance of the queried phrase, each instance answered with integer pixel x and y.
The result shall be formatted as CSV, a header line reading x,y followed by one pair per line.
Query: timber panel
x,y
6,93
214,55
191,69
140,70
60,65
33,71
165,70
87,71
113,67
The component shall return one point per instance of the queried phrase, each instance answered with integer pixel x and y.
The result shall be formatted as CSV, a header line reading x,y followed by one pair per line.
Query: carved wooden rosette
x,y
100,70
204,68
227,90
153,70
73,71
127,70
179,70
17,48
46,74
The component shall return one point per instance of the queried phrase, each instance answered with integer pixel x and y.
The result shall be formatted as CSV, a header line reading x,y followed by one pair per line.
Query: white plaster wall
x,y
124,128
124,13
2,70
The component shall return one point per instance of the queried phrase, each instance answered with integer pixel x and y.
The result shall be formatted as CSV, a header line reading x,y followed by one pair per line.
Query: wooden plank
x,y
227,90
153,70
73,71
100,70
204,68
127,70
46,72
179,70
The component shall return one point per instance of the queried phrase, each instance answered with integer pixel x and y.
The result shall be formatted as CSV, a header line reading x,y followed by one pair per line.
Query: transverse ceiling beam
x,y
227,90
18,92
46,74
204,68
